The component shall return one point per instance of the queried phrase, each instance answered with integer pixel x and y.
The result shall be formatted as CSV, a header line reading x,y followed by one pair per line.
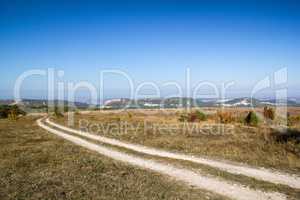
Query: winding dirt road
x,y
234,168
223,187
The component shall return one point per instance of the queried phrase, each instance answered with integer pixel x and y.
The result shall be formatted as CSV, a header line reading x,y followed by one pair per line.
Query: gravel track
x,y
234,191
234,168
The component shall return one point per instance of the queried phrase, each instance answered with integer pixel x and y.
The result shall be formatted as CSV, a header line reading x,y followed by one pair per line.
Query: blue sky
x,y
155,41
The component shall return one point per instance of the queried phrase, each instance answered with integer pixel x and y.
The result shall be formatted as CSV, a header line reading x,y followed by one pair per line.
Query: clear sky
x,y
152,40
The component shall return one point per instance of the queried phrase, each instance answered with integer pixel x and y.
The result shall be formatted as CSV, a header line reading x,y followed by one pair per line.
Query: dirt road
x,y
234,168
234,191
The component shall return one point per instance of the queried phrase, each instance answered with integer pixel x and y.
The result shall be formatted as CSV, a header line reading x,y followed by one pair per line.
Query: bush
x,y
290,135
192,117
196,116
269,113
12,115
4,110
11,112
57,113
129,115
183,117
251,119
225,117
293,120
200,115
66,109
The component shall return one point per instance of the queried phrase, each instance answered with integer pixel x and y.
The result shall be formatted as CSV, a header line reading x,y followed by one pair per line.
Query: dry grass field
x,y
232,140
37,165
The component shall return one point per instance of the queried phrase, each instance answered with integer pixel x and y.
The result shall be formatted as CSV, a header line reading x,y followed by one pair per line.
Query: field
x,y
258,146
37,165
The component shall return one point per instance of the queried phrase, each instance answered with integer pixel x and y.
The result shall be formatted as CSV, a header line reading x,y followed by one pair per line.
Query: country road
x,y
216,185
234,168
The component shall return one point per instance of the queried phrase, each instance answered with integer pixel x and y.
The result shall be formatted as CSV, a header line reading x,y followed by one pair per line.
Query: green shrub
x,y
269,113
66,109
200,115
57,113
183,117
196,116
251,119
10,111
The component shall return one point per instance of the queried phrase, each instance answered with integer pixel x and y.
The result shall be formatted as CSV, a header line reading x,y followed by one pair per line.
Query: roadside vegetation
x,y
11,112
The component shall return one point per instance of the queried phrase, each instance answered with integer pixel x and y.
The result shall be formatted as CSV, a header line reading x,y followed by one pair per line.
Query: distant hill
x,y
178,102
6,102
37,105
40,105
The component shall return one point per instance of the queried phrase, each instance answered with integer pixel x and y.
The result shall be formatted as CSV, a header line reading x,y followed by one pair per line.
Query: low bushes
x,y
183,117
269,113
225,117
290,135
293,120
57,113
195,116
200,115
10,111
251,119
